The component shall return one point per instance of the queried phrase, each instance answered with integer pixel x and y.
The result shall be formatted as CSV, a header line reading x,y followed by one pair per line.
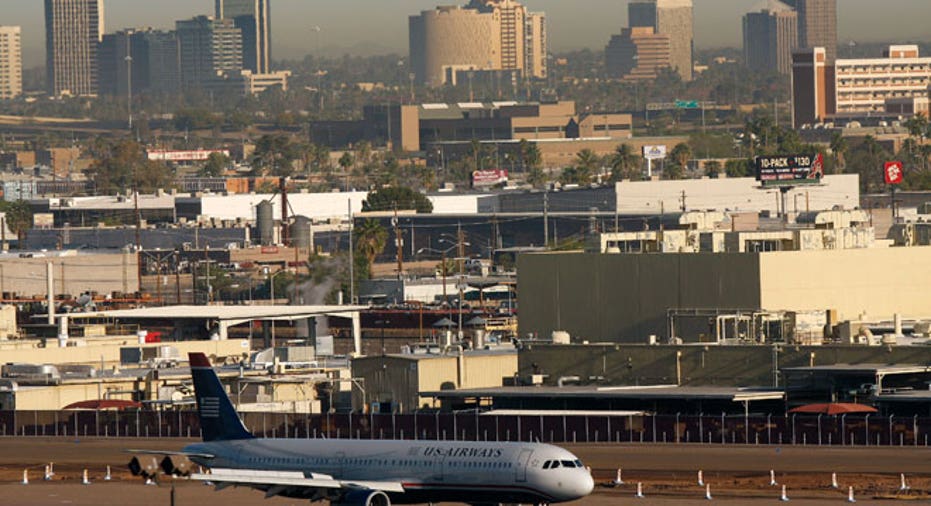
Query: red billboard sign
x,y
489,177
893,173
195,155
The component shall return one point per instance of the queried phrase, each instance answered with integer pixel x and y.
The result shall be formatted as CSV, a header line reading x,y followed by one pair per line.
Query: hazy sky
x,y
381,25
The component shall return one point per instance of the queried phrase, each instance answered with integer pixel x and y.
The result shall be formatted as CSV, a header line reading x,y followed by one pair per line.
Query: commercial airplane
x,y
375,473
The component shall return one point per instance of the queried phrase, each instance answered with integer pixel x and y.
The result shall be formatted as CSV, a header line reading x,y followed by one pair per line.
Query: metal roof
x,y
905,396
643,393
851,369
220,312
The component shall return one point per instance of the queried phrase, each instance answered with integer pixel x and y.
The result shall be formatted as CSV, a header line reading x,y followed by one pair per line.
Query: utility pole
x,y
129,85
546,218
398,243
682,201
352,259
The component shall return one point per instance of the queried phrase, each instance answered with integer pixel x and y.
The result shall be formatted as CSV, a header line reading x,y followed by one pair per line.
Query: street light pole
x,y
129,88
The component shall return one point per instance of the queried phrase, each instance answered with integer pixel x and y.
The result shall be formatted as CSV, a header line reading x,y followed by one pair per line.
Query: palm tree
x,y
678,158
586,164
625,164
838,150
371,239
530,155
346,162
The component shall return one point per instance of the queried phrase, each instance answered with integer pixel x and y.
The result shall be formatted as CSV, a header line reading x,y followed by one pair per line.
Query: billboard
x,y
196,155
654,152
789,169
490,177
893,173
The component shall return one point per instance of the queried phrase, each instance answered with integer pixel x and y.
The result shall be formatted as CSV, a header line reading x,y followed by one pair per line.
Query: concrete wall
x,y
73,274
92,351
735,194
624,298
625,364
877,281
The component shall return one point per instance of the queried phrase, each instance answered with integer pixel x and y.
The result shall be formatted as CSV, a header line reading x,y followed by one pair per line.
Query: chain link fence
x,y
794,429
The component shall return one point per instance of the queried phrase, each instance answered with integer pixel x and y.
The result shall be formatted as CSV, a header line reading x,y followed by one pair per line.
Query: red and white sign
x,y
196,155
489,177
893,172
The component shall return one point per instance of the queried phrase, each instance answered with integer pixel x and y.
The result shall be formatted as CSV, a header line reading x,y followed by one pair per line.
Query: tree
x,y
530,156
18,217
838,150
275,155
866,159
371,239
536,177
216,165
625,164
121,164
712,168
737,167
677,159
397,198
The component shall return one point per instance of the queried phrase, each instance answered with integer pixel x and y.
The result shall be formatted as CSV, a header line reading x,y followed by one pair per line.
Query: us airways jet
x,y
375,473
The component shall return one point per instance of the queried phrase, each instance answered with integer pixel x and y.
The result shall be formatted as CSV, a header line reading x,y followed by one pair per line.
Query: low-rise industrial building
x,y
626,298
394,383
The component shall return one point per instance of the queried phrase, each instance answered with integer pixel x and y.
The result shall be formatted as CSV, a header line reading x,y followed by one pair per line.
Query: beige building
x,y
11,63
672,18
857,88
71,273
626,298
485,35
637,53
73,32
395,382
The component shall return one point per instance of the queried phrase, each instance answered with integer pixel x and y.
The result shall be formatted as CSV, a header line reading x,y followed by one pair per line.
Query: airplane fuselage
x,y
430,471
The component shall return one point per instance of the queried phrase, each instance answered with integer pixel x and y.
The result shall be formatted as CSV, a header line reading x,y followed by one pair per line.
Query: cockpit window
x,y
568,463
555,464
546,465
578,463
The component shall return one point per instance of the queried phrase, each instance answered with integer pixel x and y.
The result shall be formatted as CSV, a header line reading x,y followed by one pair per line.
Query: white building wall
x,y
733,194
319,206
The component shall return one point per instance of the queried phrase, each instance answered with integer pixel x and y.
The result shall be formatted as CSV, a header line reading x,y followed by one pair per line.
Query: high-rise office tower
x,y
817,25
209,48
122,56
164,59
11,63
637,53
253,17
153,59
672,18
770,37
73,30
485,35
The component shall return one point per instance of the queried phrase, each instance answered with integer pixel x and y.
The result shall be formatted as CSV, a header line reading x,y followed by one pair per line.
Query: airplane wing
x,y
276,482
165,452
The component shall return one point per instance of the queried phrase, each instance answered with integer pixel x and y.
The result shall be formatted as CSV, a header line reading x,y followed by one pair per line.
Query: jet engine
x,y
364,498
177,465
144,465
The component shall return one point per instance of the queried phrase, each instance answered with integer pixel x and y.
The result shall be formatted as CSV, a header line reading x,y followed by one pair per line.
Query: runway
x,y
737,475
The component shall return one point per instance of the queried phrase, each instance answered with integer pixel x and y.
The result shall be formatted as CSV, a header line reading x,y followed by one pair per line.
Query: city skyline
x,y
717,23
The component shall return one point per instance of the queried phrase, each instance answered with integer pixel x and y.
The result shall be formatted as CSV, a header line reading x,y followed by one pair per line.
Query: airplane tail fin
x,y
218,418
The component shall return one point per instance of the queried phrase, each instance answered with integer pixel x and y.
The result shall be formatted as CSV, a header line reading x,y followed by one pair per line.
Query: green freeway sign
x,y
687,104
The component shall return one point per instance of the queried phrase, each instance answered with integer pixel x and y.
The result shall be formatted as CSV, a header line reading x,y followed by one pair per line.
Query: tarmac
x,y
668,473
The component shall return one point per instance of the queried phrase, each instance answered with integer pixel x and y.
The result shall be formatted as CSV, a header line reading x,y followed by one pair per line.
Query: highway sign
x,y
687,104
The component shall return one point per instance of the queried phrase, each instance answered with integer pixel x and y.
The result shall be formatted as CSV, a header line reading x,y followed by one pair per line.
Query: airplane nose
x,y
586,485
